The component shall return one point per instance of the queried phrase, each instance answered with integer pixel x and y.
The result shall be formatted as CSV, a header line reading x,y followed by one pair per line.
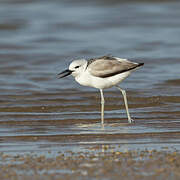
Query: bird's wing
x,y
108,67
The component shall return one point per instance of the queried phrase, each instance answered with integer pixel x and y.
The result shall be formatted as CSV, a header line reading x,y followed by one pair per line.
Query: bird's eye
x,y
76,67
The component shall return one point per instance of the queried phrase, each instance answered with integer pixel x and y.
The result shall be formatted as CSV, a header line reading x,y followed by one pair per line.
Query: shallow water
x,y
39,112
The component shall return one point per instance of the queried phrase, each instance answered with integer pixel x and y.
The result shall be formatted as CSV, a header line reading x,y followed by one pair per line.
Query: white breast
x,y
86,79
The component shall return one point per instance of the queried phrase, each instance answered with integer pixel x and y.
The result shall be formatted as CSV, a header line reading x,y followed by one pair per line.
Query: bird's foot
x,y
130,120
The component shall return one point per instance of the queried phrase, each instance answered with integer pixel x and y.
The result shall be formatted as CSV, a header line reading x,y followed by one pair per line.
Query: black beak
x,y
64,73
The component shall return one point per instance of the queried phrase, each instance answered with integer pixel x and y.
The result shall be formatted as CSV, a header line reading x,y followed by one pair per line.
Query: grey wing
x,y
106,68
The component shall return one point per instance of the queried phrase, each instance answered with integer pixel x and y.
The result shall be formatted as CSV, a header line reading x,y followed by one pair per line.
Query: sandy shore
x,y
94,164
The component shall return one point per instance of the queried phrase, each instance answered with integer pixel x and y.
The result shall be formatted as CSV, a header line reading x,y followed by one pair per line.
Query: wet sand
x,y
100,162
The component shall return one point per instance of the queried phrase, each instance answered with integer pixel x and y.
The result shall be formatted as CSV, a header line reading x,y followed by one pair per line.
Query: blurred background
x,y
39,38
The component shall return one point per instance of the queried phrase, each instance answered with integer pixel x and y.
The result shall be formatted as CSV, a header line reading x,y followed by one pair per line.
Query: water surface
x,y
39,112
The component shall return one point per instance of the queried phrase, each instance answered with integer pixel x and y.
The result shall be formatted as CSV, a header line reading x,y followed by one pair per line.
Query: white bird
x,y
101,73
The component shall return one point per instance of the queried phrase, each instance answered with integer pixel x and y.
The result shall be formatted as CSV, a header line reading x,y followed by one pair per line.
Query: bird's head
x,y
75,68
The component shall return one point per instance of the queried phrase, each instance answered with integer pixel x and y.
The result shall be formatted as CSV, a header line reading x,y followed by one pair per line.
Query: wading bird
x,y
101,73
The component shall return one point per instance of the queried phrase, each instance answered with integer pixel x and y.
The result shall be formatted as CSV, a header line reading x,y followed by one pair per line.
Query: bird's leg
x,y
126,104
102,106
